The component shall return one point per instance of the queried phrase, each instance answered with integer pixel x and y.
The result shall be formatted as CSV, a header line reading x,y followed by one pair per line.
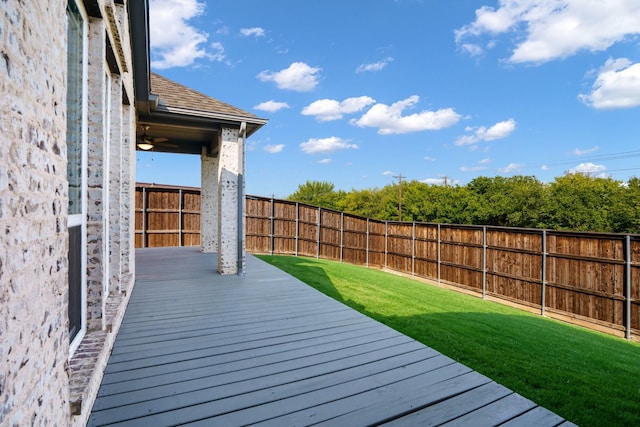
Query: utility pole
x,y
399,196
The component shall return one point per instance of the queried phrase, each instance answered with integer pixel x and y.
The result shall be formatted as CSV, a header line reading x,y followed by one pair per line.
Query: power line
x,y
601,157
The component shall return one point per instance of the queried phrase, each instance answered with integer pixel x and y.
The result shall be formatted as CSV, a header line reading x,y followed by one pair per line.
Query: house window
x,y
75,107
77,41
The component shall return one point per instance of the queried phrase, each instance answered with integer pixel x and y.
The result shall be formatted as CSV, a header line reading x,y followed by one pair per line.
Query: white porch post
x,y
230,202
209,203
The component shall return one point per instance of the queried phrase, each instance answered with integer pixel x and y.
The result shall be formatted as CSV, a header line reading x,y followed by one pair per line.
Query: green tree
x,y
318,193
580,202
443,204
512,202
624,213
572,202
366,202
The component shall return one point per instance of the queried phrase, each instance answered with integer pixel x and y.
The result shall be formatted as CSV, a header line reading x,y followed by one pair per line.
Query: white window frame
x,y
106,173
81,218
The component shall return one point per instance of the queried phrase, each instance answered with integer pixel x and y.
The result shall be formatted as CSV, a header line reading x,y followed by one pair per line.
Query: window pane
x,y
74,107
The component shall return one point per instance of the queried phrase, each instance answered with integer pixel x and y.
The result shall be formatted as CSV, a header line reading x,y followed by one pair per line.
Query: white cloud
x,y
388,173
325,161
173,40
584,151
326,145
255,31
472,168
588,168
389,119
326,110
510,168
498,131
271,106
433,181
218,52
252,145
430,159
376,66
544,167
617,86
299,77
273,148
556,28
472,49
485,161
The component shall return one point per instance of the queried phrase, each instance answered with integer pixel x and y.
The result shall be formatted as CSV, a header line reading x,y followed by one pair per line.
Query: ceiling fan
x,y
146,142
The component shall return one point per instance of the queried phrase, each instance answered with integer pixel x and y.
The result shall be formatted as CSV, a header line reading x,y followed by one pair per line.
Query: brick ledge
x,y
87,365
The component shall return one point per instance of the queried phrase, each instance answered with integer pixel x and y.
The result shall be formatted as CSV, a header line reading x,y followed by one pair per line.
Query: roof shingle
x,y
174,94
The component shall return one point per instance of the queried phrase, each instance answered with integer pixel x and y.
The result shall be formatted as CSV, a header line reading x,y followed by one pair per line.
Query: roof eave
x,y
139,28
253,123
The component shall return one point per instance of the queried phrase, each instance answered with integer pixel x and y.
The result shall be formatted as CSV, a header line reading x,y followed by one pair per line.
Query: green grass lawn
x,y
589,378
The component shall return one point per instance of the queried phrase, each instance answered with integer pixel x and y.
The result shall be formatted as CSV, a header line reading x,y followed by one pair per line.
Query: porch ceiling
x,y
173,135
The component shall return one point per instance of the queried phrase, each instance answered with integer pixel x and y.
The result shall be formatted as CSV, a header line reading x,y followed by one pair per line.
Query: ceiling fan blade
x,y
159,140
166,144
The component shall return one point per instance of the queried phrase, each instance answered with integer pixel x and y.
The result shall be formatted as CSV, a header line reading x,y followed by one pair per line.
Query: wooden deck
x,y
202,349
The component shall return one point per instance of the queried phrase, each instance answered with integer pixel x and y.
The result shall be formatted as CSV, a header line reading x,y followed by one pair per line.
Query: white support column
x,y
230,199
209,201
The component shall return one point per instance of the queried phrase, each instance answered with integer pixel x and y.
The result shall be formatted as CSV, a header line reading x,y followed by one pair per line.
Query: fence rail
x,y
592,279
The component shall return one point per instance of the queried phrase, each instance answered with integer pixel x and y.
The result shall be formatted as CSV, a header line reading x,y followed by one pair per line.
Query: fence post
x,y
484,262
297,225
180,207
386,247
544,273
272,229
341,234
439,262
367,250
413,250
319,224
144,217
627,286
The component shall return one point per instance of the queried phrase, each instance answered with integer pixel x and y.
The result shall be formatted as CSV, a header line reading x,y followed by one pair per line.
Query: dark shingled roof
x,y
174,94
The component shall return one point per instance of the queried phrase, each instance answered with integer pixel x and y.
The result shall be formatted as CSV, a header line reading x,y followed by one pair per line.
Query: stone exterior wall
x,y
209,203
39,383
115,187
222,198
230,194
97,162
128,189
111,176
34,338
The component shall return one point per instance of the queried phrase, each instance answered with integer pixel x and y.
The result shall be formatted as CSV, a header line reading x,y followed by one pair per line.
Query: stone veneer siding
x,y
96,162
39,384
209,202
230,194
34,339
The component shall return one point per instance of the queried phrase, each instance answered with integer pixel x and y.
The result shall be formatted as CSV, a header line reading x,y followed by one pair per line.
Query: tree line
x,y
577,202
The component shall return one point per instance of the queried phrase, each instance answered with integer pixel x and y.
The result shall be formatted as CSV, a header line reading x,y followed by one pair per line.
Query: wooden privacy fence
x,y
592,279
167,216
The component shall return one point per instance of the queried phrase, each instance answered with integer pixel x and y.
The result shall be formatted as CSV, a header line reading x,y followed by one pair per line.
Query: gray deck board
x,y
202,349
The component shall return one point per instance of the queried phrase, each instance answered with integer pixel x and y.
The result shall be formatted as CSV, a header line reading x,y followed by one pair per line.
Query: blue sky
x,y
358,92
